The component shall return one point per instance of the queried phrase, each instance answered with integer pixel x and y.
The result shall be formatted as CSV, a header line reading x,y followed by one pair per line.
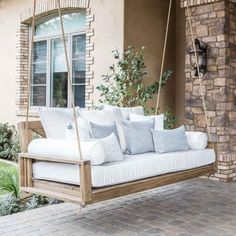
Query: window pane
x,y
38,96
40,51
59,75
79,93
40,73
78,71
79,46
72,22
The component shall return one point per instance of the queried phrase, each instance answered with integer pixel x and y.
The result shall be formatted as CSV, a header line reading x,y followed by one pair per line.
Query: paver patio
x,y
197,207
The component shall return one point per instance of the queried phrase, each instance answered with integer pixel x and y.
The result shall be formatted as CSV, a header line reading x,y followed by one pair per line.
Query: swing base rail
x,y
85,194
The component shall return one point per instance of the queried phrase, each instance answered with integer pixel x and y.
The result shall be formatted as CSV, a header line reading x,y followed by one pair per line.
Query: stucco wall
x,y
145,23
180,64
136,22
109,34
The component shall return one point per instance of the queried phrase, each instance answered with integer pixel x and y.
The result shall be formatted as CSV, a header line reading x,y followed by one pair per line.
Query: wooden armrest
x,y
53,159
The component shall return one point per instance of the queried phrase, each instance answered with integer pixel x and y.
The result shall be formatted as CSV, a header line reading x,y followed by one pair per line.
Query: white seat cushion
x,y
132,168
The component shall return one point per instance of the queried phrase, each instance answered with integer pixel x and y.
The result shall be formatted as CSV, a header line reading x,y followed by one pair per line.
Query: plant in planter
x,y
124,84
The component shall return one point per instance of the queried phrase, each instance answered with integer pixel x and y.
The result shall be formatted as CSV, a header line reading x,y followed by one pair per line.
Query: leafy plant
x,y
9,142
9,182
124,84
9,204
39,201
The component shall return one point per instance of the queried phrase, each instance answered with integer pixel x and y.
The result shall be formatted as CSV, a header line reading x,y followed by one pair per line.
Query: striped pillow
x,y
170,140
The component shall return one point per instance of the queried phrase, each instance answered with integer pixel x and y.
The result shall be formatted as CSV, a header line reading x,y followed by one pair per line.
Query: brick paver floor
x,y
198,207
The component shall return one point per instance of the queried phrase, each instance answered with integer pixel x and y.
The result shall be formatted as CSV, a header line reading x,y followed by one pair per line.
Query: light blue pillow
x,y
103,131
170,140
138,136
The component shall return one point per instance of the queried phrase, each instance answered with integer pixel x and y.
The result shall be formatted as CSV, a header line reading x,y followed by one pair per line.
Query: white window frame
x,y
49,38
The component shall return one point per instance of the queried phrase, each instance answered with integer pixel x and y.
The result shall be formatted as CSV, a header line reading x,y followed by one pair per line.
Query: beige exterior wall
x,y
117,24
145,23
108,28
109,35
180,43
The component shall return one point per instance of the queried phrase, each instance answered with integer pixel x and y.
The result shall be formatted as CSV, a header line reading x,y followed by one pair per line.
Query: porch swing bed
x,y
77,180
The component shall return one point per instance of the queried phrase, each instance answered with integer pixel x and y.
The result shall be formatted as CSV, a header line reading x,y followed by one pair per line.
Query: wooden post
x,y
22,172
85,182
213,145
25,136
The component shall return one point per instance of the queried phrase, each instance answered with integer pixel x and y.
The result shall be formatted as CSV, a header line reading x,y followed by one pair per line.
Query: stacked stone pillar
x,y
214,22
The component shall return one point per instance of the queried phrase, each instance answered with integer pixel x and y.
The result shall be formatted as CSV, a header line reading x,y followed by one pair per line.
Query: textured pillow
x,y
159,120
55,121
112,149
125,111
64,149
197,140
138,136
103,131
170,140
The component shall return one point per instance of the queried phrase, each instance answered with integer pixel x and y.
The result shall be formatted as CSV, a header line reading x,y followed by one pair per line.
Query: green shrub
x,y
9,142
9,204
124,84
9,182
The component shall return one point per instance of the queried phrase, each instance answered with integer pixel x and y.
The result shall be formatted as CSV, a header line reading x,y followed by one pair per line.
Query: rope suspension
x,y
30,72
69,79
198,70
163,56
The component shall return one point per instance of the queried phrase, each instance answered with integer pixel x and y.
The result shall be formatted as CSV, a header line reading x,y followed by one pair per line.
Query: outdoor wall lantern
x,y
201,49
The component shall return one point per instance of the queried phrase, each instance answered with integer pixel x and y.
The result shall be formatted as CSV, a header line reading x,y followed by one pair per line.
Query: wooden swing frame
x,y
85,194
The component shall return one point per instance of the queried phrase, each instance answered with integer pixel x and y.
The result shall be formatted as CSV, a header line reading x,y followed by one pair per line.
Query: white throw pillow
x,y
159,120
55,121
101,117
63,149
197,140
105,117
112,149
84,130
126,111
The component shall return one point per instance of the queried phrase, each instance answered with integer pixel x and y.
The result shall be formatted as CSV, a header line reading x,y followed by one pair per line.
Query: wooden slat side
x,y
52,194
22,172
29,172
106,193
85,182
57,187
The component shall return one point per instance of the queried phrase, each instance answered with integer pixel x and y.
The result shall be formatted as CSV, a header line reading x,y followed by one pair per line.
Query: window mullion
x,y
70,52
48,72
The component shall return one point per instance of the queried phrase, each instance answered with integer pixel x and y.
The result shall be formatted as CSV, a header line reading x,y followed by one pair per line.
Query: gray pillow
x,y
170,140
138,136
103,131
112,149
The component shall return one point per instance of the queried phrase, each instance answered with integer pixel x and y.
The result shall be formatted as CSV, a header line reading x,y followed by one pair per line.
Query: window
x,y
50,77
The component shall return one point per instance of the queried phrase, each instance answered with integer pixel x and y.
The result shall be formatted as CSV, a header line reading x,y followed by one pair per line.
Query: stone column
x,y
215,24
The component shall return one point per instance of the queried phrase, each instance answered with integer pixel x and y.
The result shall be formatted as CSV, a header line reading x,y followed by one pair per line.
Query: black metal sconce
x,y
201,50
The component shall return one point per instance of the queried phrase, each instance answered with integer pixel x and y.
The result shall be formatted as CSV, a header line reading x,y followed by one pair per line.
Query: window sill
x,y
32,113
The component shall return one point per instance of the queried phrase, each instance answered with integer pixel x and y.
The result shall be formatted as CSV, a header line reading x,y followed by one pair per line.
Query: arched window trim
x,y
47,9
49,77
